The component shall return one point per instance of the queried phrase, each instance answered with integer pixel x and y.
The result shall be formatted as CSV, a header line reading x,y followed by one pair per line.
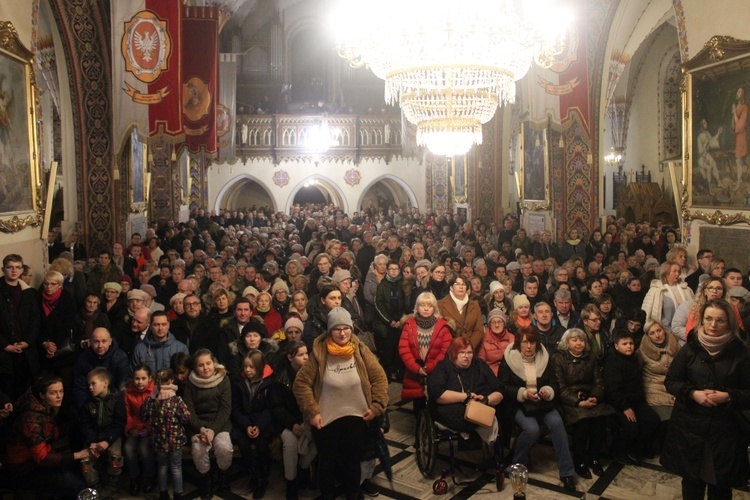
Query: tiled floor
x,y
648,481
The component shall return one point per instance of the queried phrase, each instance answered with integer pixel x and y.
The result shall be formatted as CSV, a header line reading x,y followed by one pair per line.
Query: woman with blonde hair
x,y
424,341
656,352
686,317
678,255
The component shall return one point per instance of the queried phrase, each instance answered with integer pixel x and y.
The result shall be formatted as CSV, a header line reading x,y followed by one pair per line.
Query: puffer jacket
x,y
309,382
656,362
493,347
209,401
155,354
252,408
134,399
579,376
408,349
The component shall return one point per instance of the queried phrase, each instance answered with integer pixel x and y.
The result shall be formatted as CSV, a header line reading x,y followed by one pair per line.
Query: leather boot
x,y
292,492
223,482
208,487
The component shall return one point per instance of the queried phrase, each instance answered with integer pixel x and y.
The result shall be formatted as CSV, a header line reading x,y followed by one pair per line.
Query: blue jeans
x,y
136,450
173,461
530,434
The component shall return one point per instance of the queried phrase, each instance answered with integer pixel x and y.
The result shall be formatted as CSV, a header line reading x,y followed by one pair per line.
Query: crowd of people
x,y
280,333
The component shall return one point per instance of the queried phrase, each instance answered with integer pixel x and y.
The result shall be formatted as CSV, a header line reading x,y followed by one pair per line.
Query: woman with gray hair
x,y
582,399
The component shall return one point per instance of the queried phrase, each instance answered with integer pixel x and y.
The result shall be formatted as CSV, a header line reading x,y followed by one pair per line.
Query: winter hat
x,y
294,323
111,285
279,285
651,262
149,289
250,290
126,278
341,275
740,293
494,286
339,316
513,266
520,300
496,313
138,295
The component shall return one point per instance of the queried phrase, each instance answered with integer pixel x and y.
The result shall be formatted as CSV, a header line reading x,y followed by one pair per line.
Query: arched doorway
x,y
244,192
387,191
317,189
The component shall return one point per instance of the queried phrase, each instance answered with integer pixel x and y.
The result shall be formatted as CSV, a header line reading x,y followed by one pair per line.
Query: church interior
x,y
631,119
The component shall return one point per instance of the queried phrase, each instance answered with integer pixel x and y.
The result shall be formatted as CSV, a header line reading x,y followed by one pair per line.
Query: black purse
x,y
537,409
67,348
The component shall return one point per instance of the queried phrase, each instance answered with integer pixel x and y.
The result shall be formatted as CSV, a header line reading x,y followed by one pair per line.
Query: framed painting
x,y
460,177
139,176
717,161
534,167
20,194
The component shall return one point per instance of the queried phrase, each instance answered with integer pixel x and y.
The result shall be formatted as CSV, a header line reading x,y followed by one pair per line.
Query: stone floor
x,y
647,481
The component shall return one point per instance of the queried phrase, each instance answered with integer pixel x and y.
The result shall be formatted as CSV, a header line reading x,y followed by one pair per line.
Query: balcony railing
x,y
296,137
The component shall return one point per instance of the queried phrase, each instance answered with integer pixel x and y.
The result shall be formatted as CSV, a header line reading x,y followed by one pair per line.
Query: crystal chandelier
x,y
614,158
449,65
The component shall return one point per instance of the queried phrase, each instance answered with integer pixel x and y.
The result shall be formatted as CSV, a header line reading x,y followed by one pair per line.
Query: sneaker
x,y
368,489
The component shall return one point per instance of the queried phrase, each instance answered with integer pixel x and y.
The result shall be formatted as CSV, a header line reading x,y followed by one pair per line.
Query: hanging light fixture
x,y
449,65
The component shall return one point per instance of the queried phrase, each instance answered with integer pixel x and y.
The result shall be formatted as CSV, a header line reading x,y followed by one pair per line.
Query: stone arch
x,y
231,191
393,184
326,185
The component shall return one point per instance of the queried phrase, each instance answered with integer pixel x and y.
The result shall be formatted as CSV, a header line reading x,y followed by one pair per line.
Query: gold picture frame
x,y
716,163
20,191
534,159
139,172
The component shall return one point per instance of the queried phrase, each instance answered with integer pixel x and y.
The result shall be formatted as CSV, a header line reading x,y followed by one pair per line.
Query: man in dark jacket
x,y
704,258
101,352
544,320
19,327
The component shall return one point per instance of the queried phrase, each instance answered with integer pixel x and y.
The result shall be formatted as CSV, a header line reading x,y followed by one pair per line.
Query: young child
x,y
102,421
623,386
168,416
208,395
138,442
252,420
181,364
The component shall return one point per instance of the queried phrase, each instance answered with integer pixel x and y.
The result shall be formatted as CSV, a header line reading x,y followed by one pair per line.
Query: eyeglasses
x,y
50,283
715,288
192,304
341,329
594,319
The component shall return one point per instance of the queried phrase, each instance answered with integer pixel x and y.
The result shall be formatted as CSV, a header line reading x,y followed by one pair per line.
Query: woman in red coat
x,y
424,342
496,340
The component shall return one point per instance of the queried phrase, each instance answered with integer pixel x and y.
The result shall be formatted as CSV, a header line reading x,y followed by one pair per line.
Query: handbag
x,y
68,347
479,413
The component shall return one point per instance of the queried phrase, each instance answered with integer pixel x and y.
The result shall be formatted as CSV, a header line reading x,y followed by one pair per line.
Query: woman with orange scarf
x,y
339,390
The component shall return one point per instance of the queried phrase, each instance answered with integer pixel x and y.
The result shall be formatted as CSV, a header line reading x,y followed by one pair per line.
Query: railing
x,y
297,137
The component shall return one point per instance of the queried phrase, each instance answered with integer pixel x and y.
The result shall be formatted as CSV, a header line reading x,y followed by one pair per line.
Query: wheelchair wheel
x,y
427,452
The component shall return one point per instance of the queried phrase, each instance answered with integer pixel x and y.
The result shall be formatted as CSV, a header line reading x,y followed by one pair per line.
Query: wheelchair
x,y
430,434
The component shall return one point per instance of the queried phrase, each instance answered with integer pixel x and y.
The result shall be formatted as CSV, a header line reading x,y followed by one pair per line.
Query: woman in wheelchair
x,y
529,385
458,379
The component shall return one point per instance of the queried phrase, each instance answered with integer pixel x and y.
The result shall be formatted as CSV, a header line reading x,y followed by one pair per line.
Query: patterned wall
x,y
439,191
488,181
84,26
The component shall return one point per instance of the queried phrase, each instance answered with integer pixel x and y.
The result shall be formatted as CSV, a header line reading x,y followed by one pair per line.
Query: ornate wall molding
x,y
84,26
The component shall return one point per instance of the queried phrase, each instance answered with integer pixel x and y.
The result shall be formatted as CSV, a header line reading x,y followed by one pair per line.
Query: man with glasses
x,y
598,339
19,313
704,258
185,327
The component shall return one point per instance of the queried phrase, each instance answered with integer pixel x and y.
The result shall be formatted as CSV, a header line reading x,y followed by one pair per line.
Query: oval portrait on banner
x,y
196,99
146,46
223,120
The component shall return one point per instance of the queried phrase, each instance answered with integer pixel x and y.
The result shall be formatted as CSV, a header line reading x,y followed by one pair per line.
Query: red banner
x,y
164,114
577,100
200,71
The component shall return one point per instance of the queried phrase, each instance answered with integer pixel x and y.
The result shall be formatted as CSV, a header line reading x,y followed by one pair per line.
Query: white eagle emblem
x,y
146,44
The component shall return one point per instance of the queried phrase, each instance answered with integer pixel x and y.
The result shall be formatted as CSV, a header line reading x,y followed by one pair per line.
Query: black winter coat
x,y
623,381
103,419
284,407
28,318
720,431
578,377
252,409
